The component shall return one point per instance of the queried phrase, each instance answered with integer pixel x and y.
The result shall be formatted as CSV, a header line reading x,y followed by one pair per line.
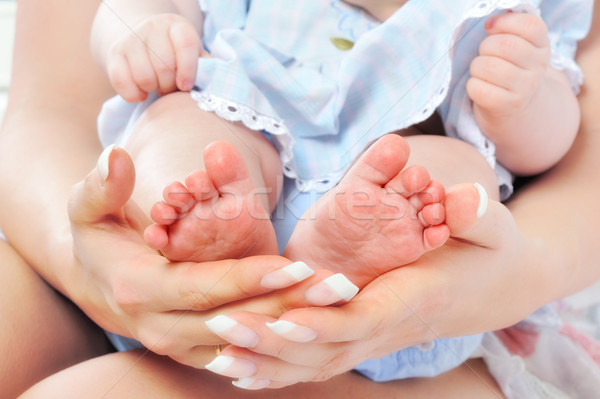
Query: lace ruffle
x,y
233,112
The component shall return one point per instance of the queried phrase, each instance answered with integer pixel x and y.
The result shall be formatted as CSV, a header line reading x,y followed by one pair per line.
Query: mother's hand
x,y
129,289
459,289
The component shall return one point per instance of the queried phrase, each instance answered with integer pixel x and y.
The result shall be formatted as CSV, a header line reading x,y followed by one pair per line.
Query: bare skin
x,y
113,377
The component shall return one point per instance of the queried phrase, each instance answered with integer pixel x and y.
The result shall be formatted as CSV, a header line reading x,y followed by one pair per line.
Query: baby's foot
x,y
382,216
216,215
378,218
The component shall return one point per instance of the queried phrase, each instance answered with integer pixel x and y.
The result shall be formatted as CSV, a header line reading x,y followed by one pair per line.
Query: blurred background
x,y
8,9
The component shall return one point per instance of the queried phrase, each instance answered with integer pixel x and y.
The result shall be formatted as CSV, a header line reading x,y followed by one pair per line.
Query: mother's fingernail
x,y
292,331
103,162
483,200
287,276
230,366
331,290
252,383
232,331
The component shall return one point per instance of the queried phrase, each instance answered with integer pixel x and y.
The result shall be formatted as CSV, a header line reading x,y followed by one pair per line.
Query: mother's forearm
x,y
560,210
560,207
42,154
48,139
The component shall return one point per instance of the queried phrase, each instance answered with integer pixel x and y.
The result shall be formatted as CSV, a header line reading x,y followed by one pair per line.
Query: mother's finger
x,y
198,287
367,316
244,329
166,331
242,363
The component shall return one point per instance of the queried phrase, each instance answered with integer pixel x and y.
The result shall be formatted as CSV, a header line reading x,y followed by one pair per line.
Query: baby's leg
x,y
383,215
452,161
230,193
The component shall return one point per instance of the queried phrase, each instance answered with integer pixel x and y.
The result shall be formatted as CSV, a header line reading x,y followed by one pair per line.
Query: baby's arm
x,y
147,46
526,107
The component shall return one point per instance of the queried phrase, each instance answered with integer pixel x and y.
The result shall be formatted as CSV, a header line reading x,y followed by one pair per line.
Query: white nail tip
x,y
292,331
286,276
220,324
251,383
341,286
243,383
102,164
298,270
483,200
281,327
220,364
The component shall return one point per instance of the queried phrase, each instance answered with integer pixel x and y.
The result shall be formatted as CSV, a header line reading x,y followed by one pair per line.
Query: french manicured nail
x,y
292,331
252,383
287,276
102,164
230,366
483,200
232,331
331,290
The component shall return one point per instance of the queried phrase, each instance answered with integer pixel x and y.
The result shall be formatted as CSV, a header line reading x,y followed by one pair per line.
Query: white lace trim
x,y
234,112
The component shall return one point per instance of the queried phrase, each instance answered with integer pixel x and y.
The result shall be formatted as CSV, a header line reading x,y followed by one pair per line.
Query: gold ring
x,y
218,349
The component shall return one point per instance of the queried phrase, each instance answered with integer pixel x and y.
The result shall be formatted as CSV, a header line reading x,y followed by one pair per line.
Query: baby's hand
x,y
159,53
510,67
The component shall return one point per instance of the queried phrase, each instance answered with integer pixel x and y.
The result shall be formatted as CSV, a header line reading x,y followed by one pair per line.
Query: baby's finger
x,y
122,81
528,26
142,71
515,50
187,46
490,96
499,72
162,56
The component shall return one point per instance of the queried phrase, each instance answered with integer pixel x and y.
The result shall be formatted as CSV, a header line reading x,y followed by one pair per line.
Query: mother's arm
x,y
47,142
